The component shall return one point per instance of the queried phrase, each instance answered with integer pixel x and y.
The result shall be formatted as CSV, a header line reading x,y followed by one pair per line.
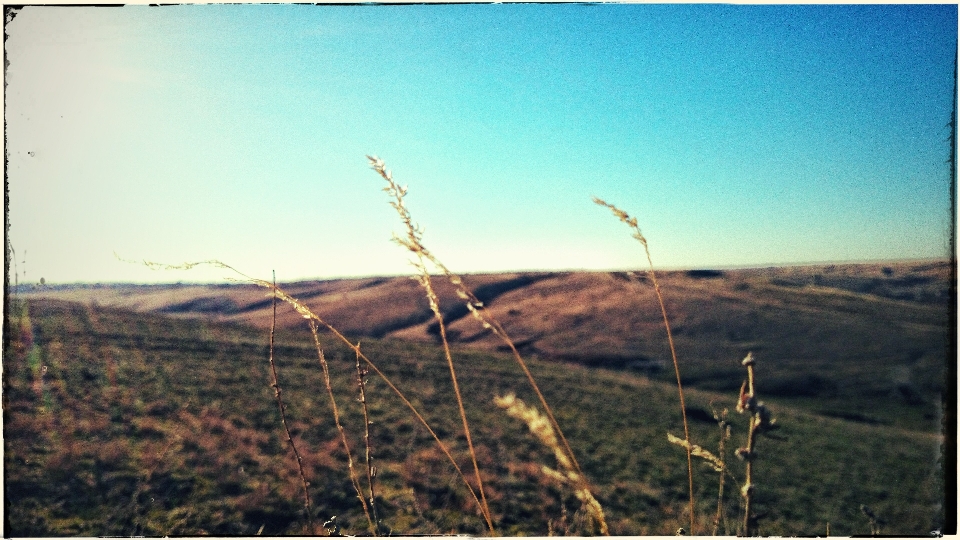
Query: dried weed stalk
x,y
724,437
283,419
413,242
473,304
371,470
354,479
761,421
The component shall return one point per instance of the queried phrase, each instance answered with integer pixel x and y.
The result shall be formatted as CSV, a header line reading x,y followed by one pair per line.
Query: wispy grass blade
x,y
354,479
413,242
371,470
473,304
637,234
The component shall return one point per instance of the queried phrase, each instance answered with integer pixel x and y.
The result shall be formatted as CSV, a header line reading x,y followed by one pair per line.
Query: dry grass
x,y
229,418
572,473
413,242
314,320
278,394
544,427
567,476
632,222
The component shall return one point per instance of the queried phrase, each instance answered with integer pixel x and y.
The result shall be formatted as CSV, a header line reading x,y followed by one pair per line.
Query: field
x,y
864,342
132,410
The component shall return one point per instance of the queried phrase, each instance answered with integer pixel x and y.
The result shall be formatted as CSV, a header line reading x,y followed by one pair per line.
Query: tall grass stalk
x,y
307,504
724,436
306,313
632,222
473,304
413,242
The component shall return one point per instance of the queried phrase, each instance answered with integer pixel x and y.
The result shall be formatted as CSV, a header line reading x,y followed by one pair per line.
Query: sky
x,y
738,135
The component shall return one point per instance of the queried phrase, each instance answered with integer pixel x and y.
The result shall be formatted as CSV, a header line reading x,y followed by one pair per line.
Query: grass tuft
x,y
567,476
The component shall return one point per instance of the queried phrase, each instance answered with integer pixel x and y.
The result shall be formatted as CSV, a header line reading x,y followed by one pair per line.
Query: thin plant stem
x,y
283,418
414,243
746,403
306,313
632,222
724,435
371,472
434,305
476,308
354,479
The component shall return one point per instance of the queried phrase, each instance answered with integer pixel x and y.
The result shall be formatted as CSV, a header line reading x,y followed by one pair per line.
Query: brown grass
x,y
632,222
528,319
413,242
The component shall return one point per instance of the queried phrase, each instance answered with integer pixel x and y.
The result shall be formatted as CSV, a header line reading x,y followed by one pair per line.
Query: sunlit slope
x,y
866,342
119,423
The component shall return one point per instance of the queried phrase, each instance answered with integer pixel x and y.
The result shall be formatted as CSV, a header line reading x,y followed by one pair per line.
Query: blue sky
x,y
738,135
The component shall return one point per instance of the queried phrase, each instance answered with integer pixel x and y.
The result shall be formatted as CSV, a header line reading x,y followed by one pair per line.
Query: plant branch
x,y
283,418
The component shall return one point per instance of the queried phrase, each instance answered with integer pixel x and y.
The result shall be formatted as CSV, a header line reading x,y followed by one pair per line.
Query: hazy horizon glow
x,y
737,135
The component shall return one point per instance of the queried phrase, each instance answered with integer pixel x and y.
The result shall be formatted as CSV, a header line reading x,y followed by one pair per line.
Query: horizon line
x,y
33,287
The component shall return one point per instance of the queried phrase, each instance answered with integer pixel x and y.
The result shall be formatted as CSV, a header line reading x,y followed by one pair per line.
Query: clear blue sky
x,y
738,135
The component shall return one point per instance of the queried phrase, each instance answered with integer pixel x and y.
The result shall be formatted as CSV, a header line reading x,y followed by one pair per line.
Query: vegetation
x,y
119,423
864,342
145,424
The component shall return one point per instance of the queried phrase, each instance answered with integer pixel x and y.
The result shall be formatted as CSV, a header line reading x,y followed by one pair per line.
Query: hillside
x,y
866,342
123,423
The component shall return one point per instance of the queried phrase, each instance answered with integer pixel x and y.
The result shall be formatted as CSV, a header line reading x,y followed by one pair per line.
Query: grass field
x,y
125,423
858,341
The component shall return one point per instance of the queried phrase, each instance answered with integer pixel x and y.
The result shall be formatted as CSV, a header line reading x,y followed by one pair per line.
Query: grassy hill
x,y
143,423
866,342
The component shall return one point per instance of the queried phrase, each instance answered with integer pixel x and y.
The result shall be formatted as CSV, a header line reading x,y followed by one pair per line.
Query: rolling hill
x,y
141,423
865,342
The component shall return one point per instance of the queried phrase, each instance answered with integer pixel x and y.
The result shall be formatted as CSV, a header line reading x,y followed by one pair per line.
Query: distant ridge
x,y
805,320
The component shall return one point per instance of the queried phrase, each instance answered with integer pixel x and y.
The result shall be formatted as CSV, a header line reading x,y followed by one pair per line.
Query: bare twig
x,y
761,421
724,435
371,470
283,418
